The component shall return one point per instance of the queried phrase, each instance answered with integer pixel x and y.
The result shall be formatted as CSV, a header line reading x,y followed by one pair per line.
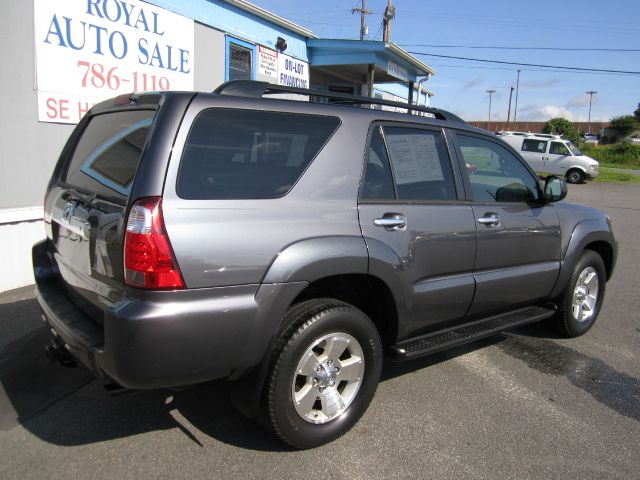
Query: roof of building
x,y
392,63
272,17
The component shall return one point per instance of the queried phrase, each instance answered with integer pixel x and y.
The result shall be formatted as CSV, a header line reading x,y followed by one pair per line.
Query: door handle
x,y
489,219
391,222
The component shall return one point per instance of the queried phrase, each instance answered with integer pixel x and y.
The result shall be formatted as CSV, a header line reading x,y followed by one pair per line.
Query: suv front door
x,y
420,235
558,158
518,249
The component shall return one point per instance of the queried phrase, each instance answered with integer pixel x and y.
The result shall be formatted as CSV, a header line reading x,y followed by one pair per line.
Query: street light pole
x,y
490,92
389,14
515,111
509,110
590,93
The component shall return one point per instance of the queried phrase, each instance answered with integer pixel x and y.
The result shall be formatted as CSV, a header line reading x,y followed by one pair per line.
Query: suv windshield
x,y
574,150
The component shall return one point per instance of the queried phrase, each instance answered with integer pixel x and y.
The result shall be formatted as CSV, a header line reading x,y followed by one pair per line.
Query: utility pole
x,y
590,93
490,92
509,109
364,30
515,112
389,14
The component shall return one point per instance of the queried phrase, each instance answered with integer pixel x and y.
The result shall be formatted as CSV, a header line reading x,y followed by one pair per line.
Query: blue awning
x,y
391,63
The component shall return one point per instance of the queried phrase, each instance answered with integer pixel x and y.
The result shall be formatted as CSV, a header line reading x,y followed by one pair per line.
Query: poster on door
x,y
91,50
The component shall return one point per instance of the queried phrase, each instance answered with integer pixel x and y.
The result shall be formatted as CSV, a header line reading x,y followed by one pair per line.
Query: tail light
x,y
148,259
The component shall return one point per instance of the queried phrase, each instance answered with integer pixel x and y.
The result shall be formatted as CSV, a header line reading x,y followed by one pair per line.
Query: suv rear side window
x,y
107,155
247,154
378,181
537,146
420,163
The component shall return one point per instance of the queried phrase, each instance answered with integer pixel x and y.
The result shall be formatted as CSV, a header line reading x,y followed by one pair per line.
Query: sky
x,y
430,27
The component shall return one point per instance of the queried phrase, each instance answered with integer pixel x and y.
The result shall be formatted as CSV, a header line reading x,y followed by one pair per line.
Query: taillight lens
x,y
148,260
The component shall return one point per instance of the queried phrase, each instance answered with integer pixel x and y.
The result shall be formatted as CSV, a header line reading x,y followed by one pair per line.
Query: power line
x,y
627,72
496,47
300,20
379,31
483,67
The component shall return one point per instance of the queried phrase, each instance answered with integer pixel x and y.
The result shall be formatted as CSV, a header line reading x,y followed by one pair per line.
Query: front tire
x,y
581,301
575,176
324,372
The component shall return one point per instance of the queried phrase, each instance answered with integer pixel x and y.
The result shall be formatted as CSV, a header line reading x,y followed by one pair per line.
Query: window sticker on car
x,y
417,158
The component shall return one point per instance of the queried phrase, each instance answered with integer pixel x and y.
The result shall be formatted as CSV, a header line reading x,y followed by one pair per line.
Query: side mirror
x,y
555,189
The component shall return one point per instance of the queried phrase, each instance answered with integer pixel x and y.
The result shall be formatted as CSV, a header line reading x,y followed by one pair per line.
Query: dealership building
x,y
62,56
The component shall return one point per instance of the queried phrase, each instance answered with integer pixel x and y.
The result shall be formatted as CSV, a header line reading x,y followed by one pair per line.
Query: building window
x,y
347,88
240,58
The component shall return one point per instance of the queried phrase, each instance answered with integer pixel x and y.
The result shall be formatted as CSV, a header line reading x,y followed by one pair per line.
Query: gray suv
x,y
287,246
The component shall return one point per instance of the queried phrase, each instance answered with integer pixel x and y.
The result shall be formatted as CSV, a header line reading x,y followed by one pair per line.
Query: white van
x,y
552,154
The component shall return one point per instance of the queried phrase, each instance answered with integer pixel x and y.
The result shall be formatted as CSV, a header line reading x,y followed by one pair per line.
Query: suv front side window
x,y
558,148
499,175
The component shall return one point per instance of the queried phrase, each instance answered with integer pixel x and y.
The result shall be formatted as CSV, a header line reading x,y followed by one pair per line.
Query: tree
x,y
636,113
562,126
624,124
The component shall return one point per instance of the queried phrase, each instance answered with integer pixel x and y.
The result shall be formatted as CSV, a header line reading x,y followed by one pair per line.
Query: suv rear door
x,y
411,216
534,152
518,249
87,200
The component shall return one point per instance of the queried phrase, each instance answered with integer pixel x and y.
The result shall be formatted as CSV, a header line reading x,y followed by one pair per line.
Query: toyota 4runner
x,y
287,246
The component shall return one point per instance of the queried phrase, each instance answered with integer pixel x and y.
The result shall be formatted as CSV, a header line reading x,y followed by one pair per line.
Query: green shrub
x,y
618,154
623,124
562,126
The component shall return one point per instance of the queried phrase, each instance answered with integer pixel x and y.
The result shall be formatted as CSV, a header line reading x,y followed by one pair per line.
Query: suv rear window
x,y
106,158
248,154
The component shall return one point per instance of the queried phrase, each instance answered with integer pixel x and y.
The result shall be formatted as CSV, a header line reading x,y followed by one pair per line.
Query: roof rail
x,y
256,89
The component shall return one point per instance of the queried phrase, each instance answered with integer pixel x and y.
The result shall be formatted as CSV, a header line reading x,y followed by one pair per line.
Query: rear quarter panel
x,y
233,242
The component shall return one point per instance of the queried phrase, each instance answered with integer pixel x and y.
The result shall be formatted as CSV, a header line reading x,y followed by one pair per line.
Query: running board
x,y
461,334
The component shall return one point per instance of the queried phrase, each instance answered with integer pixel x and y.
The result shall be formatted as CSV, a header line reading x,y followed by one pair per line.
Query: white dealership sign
x,y
90,50
292,72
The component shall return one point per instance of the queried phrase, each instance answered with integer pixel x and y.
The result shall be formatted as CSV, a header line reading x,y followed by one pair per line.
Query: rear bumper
x,y
158,339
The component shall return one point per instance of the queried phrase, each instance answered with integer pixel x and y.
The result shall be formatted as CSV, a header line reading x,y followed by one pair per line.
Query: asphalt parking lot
x,y
524,404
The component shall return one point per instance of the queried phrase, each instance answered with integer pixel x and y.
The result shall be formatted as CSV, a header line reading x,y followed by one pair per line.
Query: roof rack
x,y
256,89
506,133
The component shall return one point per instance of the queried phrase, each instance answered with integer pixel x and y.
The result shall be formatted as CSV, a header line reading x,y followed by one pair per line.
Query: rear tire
x,y
581,301
324,372
575,176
